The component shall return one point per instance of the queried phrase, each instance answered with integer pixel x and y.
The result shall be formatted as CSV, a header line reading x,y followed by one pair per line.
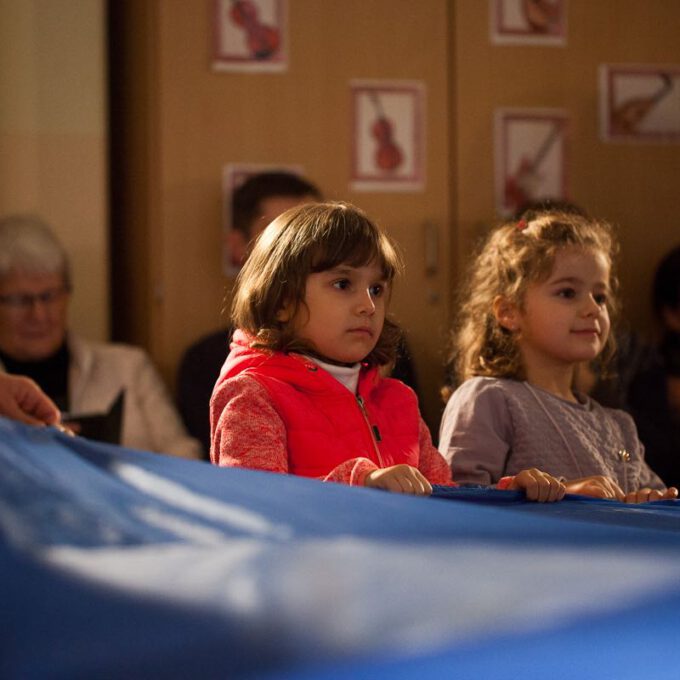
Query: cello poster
x,y
528,22
640,103
530,157
388,135
250,35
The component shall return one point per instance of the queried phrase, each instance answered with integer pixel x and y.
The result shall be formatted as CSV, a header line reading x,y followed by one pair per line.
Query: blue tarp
x,y
117,563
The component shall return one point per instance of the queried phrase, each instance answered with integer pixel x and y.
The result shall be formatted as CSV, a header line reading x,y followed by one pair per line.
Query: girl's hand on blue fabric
x,y
538,486
647,495
399,479
597,486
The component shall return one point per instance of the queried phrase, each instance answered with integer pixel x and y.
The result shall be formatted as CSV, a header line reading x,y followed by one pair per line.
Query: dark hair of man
x,y
248,197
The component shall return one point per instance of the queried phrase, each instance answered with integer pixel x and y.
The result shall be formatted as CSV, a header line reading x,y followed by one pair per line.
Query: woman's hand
x,y
400,479
647,495
598,486
538,486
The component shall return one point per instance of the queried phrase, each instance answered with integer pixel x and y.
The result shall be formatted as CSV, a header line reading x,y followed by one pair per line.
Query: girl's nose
x,y
591,307
366,305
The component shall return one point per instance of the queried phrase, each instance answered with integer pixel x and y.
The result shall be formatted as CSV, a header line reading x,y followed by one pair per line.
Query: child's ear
x,y
285,314
505,312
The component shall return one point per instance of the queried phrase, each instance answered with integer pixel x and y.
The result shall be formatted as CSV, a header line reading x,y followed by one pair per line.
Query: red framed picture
x,y
530,155
250,35
640,103
388,135
528,22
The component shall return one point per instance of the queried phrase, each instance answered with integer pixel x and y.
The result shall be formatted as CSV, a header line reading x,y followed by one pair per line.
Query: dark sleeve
x,y
198,371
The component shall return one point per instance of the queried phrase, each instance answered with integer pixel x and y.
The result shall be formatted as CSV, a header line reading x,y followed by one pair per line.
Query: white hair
x,y
28,245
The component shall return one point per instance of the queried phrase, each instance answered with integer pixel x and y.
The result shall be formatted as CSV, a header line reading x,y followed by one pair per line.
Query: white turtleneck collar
x,y
347,375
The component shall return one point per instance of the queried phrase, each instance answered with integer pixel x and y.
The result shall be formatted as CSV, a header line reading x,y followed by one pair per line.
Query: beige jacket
x,y
99,371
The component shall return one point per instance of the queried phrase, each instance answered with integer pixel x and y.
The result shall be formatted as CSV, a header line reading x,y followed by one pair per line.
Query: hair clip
x,y
522,225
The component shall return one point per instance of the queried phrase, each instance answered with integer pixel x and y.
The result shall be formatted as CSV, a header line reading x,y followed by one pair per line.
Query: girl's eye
x,y
341,284
600,299
377,289
567,293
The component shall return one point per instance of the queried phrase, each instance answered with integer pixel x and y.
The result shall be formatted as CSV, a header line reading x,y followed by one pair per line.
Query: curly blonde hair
x,y
310,238
515,255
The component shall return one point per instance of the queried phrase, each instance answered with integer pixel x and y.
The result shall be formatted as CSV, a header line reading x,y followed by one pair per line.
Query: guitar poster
x,y
530,157
388,135
233,175
528,22
640,103
250,35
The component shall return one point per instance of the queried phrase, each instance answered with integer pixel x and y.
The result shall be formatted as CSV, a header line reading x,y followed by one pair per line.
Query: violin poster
x,y
640,103
250,35
528,22
530,157
234,242
388,135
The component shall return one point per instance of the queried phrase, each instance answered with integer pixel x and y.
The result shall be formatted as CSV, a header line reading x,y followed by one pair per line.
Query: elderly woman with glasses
x,y
78,375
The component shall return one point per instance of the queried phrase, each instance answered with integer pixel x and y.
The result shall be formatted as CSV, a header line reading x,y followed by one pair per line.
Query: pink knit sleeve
x,y
432,464
352,471
247,431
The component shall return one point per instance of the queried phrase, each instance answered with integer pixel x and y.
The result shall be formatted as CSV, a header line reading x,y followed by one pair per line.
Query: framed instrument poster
x,y
530,157
250,35
640,103
388,135
528,22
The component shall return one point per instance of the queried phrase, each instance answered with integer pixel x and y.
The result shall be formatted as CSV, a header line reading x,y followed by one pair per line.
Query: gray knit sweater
x,y
494,427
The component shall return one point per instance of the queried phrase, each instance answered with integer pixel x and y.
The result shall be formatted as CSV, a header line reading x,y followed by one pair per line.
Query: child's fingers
x,y
539,486
421,487
413,482
400,479
597,486
644,496
607,486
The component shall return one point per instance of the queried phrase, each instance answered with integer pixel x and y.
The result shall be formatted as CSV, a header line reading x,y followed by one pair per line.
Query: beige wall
x,y
53,136
636,186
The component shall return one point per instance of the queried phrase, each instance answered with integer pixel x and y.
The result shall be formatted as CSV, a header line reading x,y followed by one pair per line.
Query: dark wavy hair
x,y
303,240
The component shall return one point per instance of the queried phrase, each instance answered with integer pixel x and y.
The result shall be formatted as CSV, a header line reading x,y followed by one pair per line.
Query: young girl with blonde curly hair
x,y
537,304
301,391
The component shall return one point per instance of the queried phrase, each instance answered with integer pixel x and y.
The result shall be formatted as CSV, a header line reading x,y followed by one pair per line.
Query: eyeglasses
x,y
26,301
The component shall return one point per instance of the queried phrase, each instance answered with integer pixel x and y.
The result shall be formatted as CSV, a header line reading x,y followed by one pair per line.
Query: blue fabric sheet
x,y
117,563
